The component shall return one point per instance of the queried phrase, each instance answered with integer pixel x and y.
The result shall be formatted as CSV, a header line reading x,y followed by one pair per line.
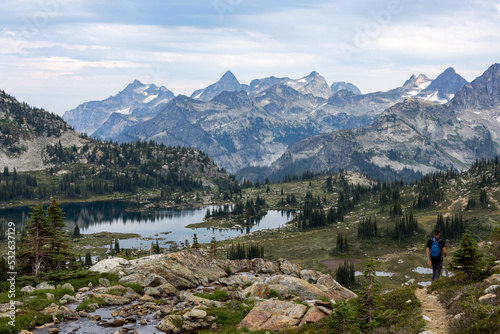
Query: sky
x,y
57,54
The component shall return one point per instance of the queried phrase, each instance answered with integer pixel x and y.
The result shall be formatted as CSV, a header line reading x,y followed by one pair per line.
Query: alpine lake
x,y
165,226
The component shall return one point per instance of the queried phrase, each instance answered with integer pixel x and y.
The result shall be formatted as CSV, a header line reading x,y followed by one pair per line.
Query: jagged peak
x,y
228,76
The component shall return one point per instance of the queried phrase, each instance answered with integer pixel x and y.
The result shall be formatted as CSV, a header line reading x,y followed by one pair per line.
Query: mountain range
x,y
251,125
415,135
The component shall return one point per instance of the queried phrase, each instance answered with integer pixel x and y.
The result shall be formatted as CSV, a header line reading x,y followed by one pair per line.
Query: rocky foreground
x,y
284,294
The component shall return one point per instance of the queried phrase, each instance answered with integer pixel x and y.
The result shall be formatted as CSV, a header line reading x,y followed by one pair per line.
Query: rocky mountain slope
x,y
26,131
338,86
136,103
416,135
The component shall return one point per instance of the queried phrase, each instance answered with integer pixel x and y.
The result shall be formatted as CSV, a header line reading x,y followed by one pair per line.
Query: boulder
x,y
135,278
167,324
68,286
147,299
487,299
195,314
492,288
131,294
50,296
167,289
154,280
153,292
55,310
113,265
280,289
299,287
310,276
257,290
289,268
234,266
68,299
265,266
313,315
45,286
28,289
104,281
112,299
273,315
238,280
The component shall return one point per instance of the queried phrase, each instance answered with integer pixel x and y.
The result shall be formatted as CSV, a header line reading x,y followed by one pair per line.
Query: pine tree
x,y
76,231
195,245
213,248
60,248
33,253
467,258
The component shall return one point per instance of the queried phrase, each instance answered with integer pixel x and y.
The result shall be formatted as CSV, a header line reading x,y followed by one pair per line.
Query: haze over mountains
x,y
242,126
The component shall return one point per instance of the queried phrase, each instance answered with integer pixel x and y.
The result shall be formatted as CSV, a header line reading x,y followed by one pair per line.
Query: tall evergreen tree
x,y
60,249
467,258
33,251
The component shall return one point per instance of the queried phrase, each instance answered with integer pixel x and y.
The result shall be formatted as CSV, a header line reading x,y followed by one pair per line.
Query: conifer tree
x,y
195,245
467,258
60,249
33,253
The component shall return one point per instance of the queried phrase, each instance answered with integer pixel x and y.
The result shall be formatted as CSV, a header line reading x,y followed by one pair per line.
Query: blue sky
x,y
56,54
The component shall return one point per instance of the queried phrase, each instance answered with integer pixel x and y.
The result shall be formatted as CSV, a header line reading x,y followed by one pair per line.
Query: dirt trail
x,y
434,311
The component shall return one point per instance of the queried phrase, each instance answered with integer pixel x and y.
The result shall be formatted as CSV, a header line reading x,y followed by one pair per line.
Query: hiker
x,y
435,251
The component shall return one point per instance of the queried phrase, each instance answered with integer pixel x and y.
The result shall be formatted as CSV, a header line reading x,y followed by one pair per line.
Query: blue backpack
x,y
435,249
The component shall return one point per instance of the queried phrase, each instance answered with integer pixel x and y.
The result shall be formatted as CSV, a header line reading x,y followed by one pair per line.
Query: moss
x,y
217,295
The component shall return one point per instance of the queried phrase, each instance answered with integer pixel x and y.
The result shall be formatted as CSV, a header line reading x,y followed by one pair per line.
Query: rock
x,y
104,281
166,309
154,292
154,280
135,278
45,286
426,318
491,289
493,279
53,330
90,285
273,315
50,296
233,267
25,332
458,316
195,314
112,299
68,286
289,268
112,265
132,295
167,324
143,322
264,266
96,317
28,289
299,287
83,290
310,276
147,299
280,289
257,290
115,323
167,289
55,310
68,299
83,314
427,332
313,315
410,282
325,310
487,299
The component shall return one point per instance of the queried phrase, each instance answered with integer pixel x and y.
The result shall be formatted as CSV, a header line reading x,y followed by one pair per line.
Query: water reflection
x,y
113,216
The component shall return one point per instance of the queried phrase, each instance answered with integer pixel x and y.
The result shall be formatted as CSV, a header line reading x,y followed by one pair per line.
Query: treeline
x,y
130,168
367,228
251,208
405,227
451,227
240,252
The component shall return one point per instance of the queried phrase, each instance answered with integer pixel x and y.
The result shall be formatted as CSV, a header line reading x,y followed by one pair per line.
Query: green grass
x,y
84,305
217,295
229,316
